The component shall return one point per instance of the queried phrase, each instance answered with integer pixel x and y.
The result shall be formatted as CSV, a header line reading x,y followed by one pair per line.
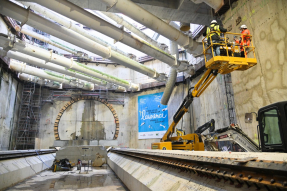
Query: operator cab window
x,y
271,132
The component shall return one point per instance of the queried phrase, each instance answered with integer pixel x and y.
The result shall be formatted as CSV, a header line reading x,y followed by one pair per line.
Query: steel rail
x,y
24,153
257,173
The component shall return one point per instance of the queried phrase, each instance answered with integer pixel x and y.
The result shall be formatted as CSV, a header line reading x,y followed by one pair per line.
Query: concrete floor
x,y
99,179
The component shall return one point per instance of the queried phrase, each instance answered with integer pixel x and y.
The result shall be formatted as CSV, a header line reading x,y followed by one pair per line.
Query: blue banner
x,y
152,116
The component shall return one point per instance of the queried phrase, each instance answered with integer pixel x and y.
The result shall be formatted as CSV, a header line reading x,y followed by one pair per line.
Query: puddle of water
x,y
99,177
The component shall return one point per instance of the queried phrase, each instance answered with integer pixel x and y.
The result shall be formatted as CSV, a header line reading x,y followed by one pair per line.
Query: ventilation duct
x,y
144,17
23,68
92,21
69,24
184,27
65,62
40,81
171,78
34,20
120,20
54,67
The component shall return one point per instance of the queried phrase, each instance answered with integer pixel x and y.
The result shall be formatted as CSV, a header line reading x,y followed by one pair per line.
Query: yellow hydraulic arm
x,y
223,64
201,85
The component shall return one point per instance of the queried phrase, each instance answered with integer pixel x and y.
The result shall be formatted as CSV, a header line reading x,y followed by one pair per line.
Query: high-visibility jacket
x,y
240,42
246,39
212,28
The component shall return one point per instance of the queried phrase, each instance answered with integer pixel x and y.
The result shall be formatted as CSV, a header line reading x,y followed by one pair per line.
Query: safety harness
x,y
213,28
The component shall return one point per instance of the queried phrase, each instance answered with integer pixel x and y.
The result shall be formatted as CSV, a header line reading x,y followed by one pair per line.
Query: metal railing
x,y
230,49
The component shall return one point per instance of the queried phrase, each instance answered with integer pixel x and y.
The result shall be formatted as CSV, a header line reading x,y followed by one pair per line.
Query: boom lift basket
x,y
229,59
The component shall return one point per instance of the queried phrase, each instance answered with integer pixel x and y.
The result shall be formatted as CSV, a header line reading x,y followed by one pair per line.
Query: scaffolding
x,y
115,99
230,99
29,116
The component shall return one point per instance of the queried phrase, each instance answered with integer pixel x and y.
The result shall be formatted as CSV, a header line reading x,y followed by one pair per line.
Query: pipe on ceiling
x,y
90,20
46,40
23,68
27,17
62,61
40,81
70,25
149,20
60,69
120,20
169,86
184,26
172,76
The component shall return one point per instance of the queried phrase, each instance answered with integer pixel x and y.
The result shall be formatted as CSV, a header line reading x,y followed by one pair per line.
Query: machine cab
x,y
273,127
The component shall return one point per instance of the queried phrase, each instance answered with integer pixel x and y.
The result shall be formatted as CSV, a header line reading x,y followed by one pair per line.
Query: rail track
x,y
252,172
24,153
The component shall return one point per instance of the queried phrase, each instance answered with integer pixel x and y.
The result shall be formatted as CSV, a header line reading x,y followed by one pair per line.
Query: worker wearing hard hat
x,y
246,39
215,36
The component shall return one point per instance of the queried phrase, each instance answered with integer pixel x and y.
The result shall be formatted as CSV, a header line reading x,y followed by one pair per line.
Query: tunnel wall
x,y
259,86
265,83
10,94
92,120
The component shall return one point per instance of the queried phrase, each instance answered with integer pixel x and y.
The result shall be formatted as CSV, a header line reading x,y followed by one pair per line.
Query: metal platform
x,y
226,64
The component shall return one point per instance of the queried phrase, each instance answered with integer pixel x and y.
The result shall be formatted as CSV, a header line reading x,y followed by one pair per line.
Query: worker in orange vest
x,y
246,39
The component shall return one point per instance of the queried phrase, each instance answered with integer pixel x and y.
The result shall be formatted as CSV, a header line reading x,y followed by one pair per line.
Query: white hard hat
x,y
214,21
243,27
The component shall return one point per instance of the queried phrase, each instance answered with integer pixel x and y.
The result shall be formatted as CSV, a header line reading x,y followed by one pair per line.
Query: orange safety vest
x,y
246,39
240,43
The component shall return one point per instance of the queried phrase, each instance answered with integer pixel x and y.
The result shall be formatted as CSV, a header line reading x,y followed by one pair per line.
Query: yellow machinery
x,y
180,132
223,64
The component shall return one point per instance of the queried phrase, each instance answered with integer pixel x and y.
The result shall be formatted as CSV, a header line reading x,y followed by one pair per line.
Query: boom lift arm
x,y
223,64
201,85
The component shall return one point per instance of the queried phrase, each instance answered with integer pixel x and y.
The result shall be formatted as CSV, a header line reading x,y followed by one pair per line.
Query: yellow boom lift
x,y
225,63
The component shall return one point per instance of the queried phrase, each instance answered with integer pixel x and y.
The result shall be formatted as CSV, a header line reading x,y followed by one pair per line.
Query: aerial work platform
x,y
231,57
230,52
225,64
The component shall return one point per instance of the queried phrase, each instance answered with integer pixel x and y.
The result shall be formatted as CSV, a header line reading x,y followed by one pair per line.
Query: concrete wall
x,y
93,120
265,83
13,171
259,86
144,175
10,91
212,104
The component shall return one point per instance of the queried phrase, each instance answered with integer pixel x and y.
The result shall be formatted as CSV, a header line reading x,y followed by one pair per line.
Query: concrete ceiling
x,y
171,10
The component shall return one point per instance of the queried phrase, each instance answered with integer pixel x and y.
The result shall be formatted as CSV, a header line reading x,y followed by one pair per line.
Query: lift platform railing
x,y
226,44
230,53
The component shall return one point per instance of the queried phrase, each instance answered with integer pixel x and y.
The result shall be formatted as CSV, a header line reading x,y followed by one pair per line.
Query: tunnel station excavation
x,y
143,95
